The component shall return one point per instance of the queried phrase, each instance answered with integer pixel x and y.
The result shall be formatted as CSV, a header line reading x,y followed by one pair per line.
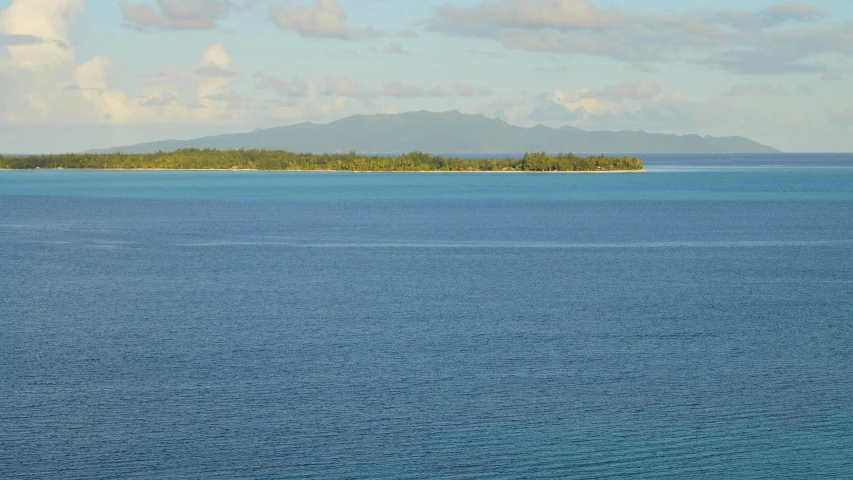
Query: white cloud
x,y
792,12
216,62
35,75
588,106
178,14
572,14
212,87
345,87
37,33
17,40
628,105
161,102
764,89
323,18
42,83
639,90
776,39
112,106
264,81
404,90
466,90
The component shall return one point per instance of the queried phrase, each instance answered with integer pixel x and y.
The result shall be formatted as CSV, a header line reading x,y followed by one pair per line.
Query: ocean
x,y
691,321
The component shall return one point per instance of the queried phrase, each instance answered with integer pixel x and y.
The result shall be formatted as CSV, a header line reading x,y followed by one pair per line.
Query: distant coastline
x,y
275,160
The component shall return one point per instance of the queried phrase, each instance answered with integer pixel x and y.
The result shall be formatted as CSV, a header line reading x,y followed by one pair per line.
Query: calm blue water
x,y
685,322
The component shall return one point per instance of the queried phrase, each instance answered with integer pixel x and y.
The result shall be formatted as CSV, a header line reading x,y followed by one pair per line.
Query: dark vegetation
x,y
280,160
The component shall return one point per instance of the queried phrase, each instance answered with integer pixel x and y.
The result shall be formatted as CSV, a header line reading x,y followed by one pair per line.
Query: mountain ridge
x,y
448,132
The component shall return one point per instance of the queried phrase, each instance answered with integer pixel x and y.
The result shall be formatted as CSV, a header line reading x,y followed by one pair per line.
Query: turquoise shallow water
x,y
664,183
685,322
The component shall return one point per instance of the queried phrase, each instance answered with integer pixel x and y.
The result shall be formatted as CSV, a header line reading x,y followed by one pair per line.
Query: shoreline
x,y
275,160
308,171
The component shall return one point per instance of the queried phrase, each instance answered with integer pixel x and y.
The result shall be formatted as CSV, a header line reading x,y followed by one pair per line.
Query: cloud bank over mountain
x,y
449,133
97,73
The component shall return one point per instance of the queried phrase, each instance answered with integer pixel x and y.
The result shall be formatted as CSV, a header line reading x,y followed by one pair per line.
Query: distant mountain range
x,y
449,132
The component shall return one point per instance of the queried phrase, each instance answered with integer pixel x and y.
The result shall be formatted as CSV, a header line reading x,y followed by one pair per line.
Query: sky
x,y
83,74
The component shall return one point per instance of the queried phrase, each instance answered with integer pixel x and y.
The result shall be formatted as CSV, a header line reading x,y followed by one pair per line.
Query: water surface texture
x,y
686,322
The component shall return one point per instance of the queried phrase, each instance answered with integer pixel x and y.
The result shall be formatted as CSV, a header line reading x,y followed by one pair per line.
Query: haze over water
x,y
685,322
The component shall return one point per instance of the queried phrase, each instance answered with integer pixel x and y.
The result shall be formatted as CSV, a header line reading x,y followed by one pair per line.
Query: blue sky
x,y
80,74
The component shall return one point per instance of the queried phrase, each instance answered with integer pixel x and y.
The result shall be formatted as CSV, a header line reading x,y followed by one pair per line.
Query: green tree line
x,y
281,160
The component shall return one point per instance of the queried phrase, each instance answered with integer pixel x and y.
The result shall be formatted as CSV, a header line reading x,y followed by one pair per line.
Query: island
x,y
211,159
447,132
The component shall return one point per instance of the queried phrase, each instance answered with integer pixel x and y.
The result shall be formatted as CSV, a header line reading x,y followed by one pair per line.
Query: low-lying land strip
x,y
192,159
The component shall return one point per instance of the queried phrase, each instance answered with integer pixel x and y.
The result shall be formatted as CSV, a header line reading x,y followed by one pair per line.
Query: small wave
x,y
524,245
